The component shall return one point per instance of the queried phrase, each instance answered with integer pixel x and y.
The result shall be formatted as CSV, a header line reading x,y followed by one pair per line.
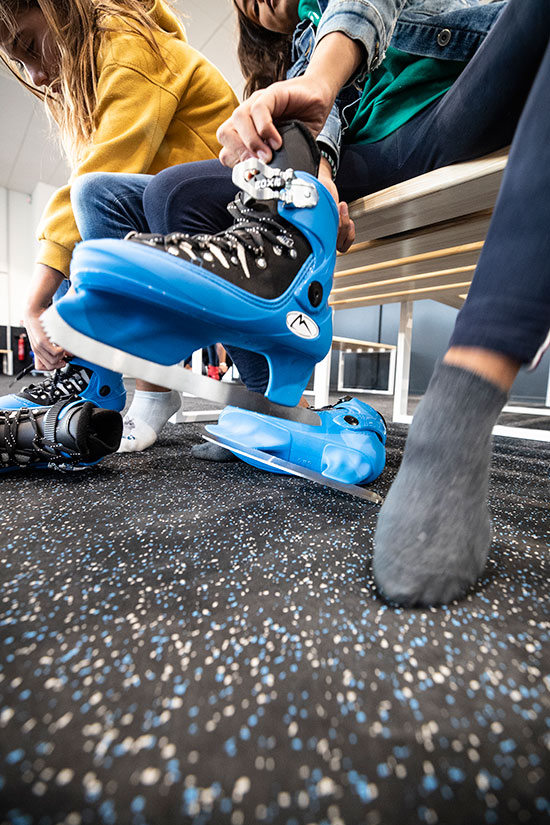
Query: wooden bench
x,y
420,239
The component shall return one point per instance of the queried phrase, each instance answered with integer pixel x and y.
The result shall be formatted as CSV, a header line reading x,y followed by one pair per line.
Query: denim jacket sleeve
x,y
330,136
370,21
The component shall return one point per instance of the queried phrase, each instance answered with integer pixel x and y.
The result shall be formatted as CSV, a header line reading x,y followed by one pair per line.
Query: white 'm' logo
x,y
302,325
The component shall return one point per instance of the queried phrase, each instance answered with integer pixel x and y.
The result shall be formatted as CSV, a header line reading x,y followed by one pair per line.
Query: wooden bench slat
x,y
440,195
403,272
356,344
428,241
387,294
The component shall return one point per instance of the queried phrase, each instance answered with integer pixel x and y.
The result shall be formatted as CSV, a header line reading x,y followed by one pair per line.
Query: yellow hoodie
x,y
150,115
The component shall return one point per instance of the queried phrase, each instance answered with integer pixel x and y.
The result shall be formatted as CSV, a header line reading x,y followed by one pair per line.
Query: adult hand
x,y
250,131
346,227
45,281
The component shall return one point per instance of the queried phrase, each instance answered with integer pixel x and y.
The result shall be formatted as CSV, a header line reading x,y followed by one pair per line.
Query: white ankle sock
x,y
148,413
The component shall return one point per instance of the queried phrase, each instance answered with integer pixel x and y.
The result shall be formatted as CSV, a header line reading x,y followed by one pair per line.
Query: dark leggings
x,y
501,97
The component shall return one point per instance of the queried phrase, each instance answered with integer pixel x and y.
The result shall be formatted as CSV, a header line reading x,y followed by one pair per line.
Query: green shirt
x,y
309,10
401,87
397,90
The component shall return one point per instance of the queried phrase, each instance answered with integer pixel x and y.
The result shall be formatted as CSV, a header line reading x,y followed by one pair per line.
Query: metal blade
x,y
238,396
295,470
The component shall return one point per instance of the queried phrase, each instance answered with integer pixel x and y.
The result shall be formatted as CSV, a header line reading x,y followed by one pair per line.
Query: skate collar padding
x,y
263,183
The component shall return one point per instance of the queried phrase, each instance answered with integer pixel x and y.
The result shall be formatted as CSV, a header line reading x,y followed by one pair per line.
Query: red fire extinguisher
x,y
21,347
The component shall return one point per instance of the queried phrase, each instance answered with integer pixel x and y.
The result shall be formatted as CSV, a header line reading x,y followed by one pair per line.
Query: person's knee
x,y
157,194
90,187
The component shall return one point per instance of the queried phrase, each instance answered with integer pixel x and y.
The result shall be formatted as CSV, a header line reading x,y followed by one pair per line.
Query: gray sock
x,y
208,451
434,530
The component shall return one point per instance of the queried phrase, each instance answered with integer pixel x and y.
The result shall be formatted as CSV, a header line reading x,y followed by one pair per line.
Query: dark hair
x,y
264,56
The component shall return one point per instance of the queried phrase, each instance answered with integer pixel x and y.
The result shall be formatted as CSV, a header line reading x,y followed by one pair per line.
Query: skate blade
x,y
173,377
296,470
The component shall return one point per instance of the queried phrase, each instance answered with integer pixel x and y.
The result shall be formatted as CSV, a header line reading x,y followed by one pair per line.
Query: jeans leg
x,y
61,290
508,305
109,205
191,197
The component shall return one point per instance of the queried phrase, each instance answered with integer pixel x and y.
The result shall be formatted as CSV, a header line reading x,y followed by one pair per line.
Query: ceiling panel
x,y
29,152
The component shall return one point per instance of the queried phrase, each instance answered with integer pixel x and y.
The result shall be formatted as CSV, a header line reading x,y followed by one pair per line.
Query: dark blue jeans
x,y
502,97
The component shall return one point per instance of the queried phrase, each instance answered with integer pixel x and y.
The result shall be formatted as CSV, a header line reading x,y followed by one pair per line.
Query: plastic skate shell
x,y
69,435
348,447
104,388
140,302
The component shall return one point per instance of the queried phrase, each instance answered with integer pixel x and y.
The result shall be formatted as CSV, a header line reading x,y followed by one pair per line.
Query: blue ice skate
x,y
142,305
79,379
69,435
348,447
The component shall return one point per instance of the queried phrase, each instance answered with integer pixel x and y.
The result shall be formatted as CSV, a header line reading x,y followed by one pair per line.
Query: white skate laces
x,y
251,230
67,382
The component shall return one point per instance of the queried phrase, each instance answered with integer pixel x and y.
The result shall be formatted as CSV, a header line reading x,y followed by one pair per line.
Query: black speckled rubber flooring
x,y
184,642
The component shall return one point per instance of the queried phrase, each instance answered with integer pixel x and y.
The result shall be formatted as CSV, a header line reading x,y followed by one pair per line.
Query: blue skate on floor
x,y
348,447
142,305
78,379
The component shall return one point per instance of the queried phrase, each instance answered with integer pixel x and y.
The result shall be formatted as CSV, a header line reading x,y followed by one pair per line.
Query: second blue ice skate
x,y
348,447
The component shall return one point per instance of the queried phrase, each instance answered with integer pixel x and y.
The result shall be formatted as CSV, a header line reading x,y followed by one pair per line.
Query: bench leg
x,y
321,381
403,364
391,372
8,362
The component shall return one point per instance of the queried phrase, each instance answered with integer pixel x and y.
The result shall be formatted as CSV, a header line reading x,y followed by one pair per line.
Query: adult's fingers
x,y
233,148
346,229
250,131
255,130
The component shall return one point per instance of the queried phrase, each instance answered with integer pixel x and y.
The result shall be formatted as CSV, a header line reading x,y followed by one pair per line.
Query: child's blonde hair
x,y
76,26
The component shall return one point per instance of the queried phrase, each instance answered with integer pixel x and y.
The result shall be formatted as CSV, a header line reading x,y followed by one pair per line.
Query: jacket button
x,y
444,37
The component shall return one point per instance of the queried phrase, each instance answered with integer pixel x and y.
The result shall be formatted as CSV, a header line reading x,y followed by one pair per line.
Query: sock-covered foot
x,y
148,413
434,530
212,452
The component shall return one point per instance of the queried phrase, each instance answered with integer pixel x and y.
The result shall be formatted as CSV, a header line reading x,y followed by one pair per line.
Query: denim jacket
x,y
447,29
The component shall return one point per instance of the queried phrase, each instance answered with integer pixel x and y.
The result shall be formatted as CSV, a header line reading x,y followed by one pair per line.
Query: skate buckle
x,y
263,183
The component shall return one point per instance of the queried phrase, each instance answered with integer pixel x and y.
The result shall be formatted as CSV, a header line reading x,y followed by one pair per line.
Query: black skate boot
x,y
65,436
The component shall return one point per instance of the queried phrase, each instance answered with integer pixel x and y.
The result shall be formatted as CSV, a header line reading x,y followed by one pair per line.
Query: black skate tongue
x,y
88,430
299,150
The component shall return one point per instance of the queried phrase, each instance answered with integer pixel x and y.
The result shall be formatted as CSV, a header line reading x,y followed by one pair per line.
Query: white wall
x,y
19,215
